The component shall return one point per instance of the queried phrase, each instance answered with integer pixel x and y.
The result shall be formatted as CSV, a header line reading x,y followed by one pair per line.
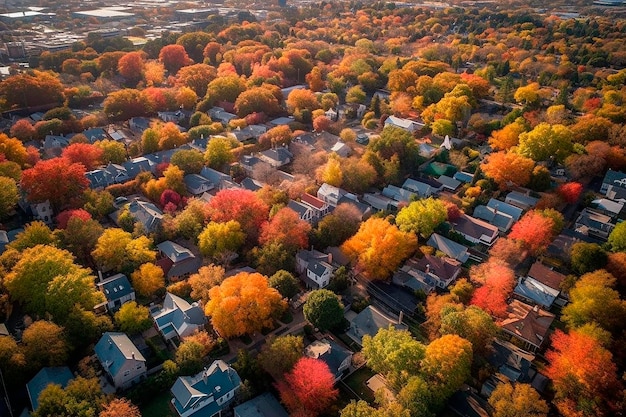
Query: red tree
x,y
131,66
57,180
33,156
83,153
534,231
64,217
241,205
321,123
287,228
570,192
496,282
170,197
308,389
23,130
584,375
174,57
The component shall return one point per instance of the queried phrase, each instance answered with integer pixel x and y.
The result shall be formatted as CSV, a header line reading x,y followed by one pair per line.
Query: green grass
x,y
357,382
158,407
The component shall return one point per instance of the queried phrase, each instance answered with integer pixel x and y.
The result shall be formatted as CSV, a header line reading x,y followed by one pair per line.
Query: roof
x,y
369,321
414,279
443,267
58,375
506,208
467,404
280,154
330,191
535,291
146,213
402,123
298,207
530,324
179,313
501,220
546,275
174,251
116,287
265,405
330,352
312,201
521,200
214,176
418,187
319,268
449,182
398,194
449,247
251,184
610,206
475,228
615,178
214,381
511,360
195,182
465,177
114,349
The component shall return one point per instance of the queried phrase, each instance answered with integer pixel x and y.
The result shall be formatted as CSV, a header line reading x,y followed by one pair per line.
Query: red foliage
x,y
496,282
454,212
490,300
286,228
56,180
583,373
64,217
243,206
570,192
33,156
308,389
83,153
592,104
321,123
534,231
256,118
160,169
174,57
170,197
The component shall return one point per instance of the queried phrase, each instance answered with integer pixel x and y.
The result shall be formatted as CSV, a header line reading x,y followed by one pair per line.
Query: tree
x,y
570,192
148,279
299,100
206,278
64,217
112,151
519,400
83,153
321,123
190,161
72,289
80,237
323,309
243,206
276,136
13,150
12,359
35,233
56,180
117,250
189,357
507,137
416,397
587,257
174,57
44,344
22,130
393,353
508,168
338,226
133,318
446,365
272,257
126,103
170,136
219,152
534,231
378,248
242,304
286,228
443,127
496,281
471,323
83,328
132,66
617,238
221,241
31,89
593,299
308,389
98,203
197,77
257,100
280,354
120,407
546,141
81,397
356,94
285,283
189,222
226,88
9,196
583,373
422,216
508,251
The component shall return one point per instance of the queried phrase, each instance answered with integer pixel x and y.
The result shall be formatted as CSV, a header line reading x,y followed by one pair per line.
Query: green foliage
x,y
280,354
9,196
587,257
35,233
323,309
422,216
617,238
286,284
221,240
133,318
190,161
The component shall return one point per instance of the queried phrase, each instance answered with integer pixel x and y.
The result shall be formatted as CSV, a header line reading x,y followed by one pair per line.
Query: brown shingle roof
x,y
546,276
530,324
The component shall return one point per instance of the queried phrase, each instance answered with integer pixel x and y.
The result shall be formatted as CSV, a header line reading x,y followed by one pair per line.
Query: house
x,y
276,157
450,248
405,124
442,270
341,149
608,207
316,267
281,121
220,180
121,359
54,144
330,194
177,318
613,180
117,291
304,211
8,237
534,292
335,356
545,275
265,405
523,201
591,222
117,173
139,124
40,211
173,116
176,260
146,213
197,184
501,220
206,394
466,403
250,132
530,325
506,208
251,184
418,187
95,134
46,376
413,279
137,165
380,202
364,209
464,177
475,230
561,246
320,208
449,183
218,114
370,321
401,195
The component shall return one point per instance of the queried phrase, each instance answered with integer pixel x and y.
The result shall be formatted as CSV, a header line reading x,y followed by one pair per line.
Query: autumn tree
x,y
190,161
583,374
508,168
617,238
518,400
496,281
323,310
112,151
34,233
276,136
534,231
72,289
570,191
546,141
471,323
508,251
242,304
243,206
280,354
285,283
117,250
192,350
221,241
31,89
148,279
307,389
197,77
9,196
507,137
120,407
131,66
56,180
81,397
422,216
44,344
378,248
257,100
287,228
13,150
12,359
299,100
170,136
587,257
226,88
338,226
202,281
219,152
88,155
133,318
189,222
174,57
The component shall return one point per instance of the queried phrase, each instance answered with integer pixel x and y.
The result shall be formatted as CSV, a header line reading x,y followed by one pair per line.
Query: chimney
x,y
205,376
427,269
401,317
330,258
132,354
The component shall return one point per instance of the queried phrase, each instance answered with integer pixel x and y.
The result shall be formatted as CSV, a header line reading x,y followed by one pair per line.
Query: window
x,y
127,372
139,366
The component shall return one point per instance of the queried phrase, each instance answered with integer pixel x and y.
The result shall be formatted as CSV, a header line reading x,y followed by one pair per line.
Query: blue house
x,y
178,318
117,290
207,393
58,375
121,359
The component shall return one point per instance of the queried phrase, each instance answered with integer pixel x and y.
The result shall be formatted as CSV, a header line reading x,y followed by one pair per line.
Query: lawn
x,y
158,407
357,383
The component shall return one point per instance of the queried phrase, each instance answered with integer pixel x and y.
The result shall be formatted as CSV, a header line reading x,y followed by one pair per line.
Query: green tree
x,y
519,400
471,323
587,257
150,141
80,237
190,161
133,318
416,396
35,233
617,238
443,127
189,357
546,141
422,216
323,309
112,151
272,257
189,222
73,289
221,241
82,397
280,354
9,196
83,327
285,283
219,152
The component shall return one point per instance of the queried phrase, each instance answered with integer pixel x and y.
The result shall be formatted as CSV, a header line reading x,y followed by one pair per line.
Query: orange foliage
x,y
243,206
496,282
286,228
508,168
88,155
534,231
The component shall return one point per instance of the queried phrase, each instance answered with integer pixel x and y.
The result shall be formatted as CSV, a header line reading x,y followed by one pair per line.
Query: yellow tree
x,y
379,247
148,279
508,168
244,304
508,136
331,172
206,278
117,250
